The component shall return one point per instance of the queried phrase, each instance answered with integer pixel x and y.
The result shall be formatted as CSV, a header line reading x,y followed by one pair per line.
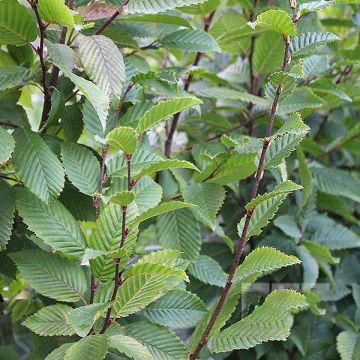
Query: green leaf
x,y
81,167
17,24
302,44
164,110
158,210
61,55
33,156
92,347
130,347
305,175
301,98
177,309
190,40
106,236
55,11
162,343
337,182
207,270
138,291
7,145
264,260
320,252
288,225
146,191
155,269
165,165
59,353
237,167
104,64
276,20
285,140
52,223
348,345
117,167
50,321
314,5
180,230
209,199
265,207
261,325
83,318
7,212
12,76
157,6
335,236
268,53
98,99
122,198
52,275
122,138
259,262
310,267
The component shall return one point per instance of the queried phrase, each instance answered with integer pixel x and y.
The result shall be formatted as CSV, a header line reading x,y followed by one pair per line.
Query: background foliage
x,y
145,146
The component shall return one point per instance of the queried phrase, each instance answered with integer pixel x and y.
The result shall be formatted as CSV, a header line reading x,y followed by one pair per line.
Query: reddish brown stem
x,y
111,18
124,233
249,213
187,83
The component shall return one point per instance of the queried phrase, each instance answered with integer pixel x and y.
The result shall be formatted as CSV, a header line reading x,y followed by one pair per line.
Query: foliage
x,y
179,179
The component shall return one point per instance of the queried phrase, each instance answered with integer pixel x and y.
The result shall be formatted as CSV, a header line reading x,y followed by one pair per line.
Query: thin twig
x,y
124,233
111,18
253,77
40,52
249,213
187,82
96,201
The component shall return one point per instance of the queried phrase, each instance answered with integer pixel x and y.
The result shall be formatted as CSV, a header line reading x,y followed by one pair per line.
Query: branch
x,y
253,78
249,213
124,233
111,18
187,82
40,52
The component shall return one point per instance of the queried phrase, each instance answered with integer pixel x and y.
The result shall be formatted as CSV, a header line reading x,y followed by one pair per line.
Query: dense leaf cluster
x,y
179,179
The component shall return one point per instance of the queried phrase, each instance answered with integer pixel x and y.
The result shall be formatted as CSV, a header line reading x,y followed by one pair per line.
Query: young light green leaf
x,y
261,326
138,291
276,20
33,156
190,40
122,198
55,11
92,347
130,347
81,167
104,64
83,318
259,262
161,342
158,210
122,138
17,24
52,223
50,321
265,207
7,145
305,175
52,275
164,110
